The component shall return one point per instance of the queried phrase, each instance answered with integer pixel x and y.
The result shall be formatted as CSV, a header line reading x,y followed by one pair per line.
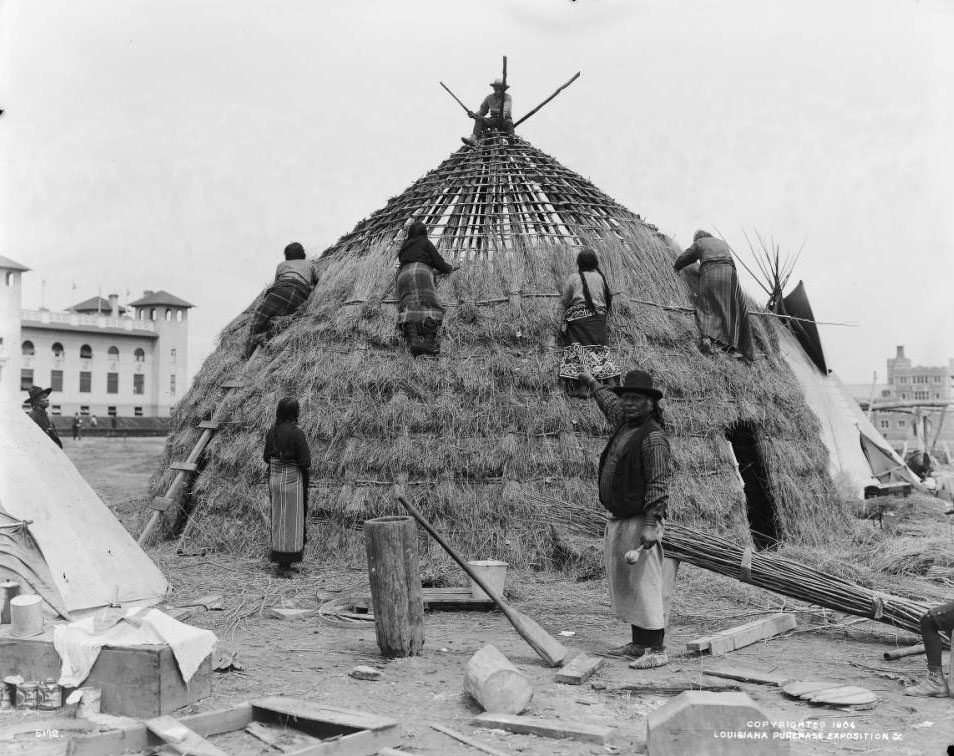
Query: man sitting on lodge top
x,y
494,113
294,280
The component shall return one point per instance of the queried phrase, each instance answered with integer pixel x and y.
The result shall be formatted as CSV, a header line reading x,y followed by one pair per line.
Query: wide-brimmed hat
x,y
499,83
638,382
36,392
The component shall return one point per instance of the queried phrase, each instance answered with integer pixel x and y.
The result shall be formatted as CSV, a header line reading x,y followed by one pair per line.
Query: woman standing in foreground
x,y
288,459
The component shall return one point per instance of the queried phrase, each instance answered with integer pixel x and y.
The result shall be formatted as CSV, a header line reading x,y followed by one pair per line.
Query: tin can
x,y
28,694
50,695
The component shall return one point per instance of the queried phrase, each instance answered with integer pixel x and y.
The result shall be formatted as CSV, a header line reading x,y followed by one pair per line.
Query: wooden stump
x,y
396,597
495,683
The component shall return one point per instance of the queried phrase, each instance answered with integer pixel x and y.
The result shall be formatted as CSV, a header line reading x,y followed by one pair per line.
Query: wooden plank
x,y
751,632
747,674
468,741
562,729
360,743
184,466
181,738
209,424
579,670
674,688
284,739
348,719
700,644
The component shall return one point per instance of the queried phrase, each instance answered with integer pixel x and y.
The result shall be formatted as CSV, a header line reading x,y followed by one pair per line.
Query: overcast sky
x,y
180,144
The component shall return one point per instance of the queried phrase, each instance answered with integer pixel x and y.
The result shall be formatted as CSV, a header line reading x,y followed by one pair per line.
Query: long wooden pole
x,y
575,77
547,647
455,97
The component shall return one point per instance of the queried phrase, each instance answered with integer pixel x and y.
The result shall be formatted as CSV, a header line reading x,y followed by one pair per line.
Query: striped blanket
x,y
286,487
721,311
283,297
417,295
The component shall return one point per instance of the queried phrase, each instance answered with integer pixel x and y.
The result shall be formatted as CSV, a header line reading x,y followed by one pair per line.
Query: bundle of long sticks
x,y
769,571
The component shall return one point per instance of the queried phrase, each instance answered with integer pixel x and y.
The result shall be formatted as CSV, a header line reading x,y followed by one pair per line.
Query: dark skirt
x,y
585,345
420,311
721,312
288,491
281,298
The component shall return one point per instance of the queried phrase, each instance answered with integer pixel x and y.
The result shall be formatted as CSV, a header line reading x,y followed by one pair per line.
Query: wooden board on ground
x,y
283,739
181,738
579,670
743,635
562,729
334,731
746,674
674,688
437,598
833,694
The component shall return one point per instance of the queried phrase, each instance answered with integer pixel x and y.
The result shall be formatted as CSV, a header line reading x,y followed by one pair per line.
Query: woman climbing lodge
x,y
586,300
420,310
721,312
289,460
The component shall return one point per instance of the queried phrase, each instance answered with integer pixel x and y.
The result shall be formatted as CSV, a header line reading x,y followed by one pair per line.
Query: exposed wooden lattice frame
x,y
502,195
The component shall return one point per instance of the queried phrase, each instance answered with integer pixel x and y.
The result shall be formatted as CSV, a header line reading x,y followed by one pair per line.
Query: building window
x,y
139,384
11,278
172,385
168,314
57,350
904,397
84,410
112,383
142,314
178,316
140,355
111,411
937,396
172,354
26,379
884,424
937,379
56,409
902,423
86,381
152,313
886,392
137,411
113,353
86,352
922,394
27,349
56,380
903,379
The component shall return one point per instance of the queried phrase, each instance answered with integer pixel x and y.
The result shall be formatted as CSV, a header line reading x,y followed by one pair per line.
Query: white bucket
x,y
26,616
493,573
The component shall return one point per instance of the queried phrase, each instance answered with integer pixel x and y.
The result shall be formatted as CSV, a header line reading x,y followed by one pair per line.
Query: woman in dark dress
x,y
420,311
288,459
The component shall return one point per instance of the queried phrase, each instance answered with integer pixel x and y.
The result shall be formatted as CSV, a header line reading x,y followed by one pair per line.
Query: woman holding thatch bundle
x,y
289,460
420,311
721,312
586,300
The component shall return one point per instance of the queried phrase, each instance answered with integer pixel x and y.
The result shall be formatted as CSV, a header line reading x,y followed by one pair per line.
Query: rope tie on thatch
x,y
745,567
877,606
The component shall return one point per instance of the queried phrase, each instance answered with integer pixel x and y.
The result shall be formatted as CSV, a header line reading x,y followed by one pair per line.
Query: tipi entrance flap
x,y
89,553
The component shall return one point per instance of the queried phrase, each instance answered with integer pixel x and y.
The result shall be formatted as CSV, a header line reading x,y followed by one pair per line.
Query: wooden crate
x,y
137,681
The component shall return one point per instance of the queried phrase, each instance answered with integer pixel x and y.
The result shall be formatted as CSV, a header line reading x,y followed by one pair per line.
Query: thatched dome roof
x,y
485,433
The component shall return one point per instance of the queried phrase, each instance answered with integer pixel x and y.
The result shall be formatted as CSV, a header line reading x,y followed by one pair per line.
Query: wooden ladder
x,y
175,494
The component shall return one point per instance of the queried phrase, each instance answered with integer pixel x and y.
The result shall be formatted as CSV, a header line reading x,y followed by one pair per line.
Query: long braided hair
x,y
586,260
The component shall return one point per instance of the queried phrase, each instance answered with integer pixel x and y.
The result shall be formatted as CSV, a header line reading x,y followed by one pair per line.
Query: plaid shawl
x,y
282,298
417,295
721,311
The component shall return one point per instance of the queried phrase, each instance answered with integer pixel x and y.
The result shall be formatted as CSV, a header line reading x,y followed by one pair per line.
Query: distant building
x,y
919,387
98,357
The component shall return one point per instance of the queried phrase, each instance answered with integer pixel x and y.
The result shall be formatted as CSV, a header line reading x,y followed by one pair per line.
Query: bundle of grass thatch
x,y
485,427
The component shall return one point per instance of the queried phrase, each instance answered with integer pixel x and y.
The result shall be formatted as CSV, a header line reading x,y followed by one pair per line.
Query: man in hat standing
x,y
634,486
494,113
39,401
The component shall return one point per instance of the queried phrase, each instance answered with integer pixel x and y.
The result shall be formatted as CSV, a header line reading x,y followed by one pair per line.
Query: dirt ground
x,y
311,659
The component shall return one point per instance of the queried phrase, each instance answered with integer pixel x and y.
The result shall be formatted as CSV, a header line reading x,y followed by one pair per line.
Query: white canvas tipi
x,y
74,553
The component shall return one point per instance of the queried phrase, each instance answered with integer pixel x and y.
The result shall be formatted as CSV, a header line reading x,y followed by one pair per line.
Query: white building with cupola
x,y
100,358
